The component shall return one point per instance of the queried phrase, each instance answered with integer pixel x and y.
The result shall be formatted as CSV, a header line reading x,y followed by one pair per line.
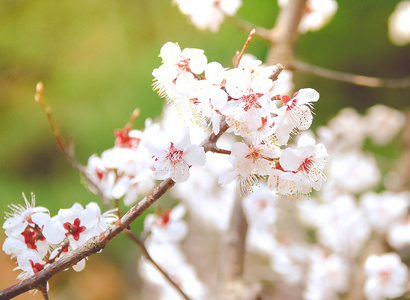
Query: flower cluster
x,y
208,14
248,99
122,171
37,239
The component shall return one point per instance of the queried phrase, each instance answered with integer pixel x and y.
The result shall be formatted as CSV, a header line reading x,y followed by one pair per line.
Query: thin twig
x,y
248,26
144,250
44,292
240,54
351,78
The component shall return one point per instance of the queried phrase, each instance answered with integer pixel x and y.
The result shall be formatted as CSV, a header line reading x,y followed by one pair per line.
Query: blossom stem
x,y
144,251
248,40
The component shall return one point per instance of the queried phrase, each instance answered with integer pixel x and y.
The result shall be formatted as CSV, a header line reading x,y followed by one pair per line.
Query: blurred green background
x,y
95,60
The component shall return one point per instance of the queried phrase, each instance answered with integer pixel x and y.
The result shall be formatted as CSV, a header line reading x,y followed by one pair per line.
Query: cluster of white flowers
x,y
208,14
247,98
122,170
37,239
316,249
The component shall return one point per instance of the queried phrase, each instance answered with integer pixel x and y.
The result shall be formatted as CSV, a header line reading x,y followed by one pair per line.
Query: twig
x,y
351,78
144,250
44,292
240,54
248,26
96,244
67,148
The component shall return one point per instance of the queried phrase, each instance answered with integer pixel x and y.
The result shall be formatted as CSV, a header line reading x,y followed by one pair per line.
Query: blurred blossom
x,y
172,260
382,122
208,14
347,122
386,277
398,235
383,209
317,14
290,261
352,172
328,276
208,203
340,225
399,24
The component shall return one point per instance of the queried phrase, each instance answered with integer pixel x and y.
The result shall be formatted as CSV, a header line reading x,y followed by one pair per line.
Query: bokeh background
x,y
95,60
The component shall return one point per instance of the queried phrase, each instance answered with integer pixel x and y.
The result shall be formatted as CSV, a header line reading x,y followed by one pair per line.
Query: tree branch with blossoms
x,y
244,101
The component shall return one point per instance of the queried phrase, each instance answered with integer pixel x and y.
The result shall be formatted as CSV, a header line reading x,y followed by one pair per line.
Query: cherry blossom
x,y
295,114
174,160
386,276
300,169
382,210
167,226
176,62
208,14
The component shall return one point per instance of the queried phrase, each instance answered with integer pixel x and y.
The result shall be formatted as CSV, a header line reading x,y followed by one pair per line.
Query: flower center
x,y
74,229
183,65
174,155
251,100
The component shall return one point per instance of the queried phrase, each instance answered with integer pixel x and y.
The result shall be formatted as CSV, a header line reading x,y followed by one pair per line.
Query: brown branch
x,y
285,33
96,244
92,246
144,250
351,78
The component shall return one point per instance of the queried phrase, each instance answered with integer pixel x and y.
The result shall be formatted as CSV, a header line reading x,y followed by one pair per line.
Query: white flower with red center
x,y
124,169
387,277
30,262
176,62
127,138
253,158
249,161
174,159
167,226
308,159
21,217
23,228
249,99
79,223
295,113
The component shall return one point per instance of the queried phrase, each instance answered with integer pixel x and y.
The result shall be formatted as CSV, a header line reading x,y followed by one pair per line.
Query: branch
x,y
285,33
144,250
351,78
96,244
232,258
